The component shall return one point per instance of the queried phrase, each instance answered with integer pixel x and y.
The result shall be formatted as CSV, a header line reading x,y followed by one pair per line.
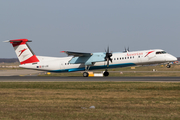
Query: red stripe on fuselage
x,y
32,59
149,53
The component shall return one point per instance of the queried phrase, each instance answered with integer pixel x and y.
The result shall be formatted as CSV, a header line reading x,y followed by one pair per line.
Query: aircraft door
x,y
62,65
150,56
139,59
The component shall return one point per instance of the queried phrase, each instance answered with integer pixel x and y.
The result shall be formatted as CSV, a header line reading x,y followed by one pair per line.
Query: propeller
x,y
126,50
108,56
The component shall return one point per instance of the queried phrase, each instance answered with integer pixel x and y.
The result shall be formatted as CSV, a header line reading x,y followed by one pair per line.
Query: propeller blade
x,y
110,60
107,62
108,56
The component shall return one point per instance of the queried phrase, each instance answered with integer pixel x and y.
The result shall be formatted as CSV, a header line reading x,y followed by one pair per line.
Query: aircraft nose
x,y
171,58
174,58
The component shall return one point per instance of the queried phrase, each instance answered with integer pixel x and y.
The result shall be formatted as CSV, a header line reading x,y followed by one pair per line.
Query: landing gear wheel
x,y
85,74
106,73
168,66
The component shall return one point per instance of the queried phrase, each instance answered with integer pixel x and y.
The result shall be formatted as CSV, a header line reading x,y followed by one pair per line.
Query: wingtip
x,y
6,41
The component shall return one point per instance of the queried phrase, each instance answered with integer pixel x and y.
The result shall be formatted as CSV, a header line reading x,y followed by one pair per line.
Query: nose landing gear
x,y
168,66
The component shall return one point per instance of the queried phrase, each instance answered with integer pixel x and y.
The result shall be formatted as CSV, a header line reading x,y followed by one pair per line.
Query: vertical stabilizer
x,y
23,51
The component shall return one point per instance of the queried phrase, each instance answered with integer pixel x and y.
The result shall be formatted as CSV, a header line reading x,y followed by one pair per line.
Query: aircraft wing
x,y
77,54
85,58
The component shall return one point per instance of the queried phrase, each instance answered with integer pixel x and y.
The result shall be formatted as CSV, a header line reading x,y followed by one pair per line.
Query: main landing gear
x,y
106,73
107,58
85,74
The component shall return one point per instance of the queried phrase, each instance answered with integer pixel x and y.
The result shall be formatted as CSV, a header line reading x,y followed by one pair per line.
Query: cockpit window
x,y
161,52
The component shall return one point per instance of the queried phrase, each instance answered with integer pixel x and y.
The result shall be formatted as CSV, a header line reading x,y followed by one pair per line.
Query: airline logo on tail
x,y
22,51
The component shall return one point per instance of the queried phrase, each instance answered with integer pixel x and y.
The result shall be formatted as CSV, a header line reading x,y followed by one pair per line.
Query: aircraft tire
x,y
168,66
85,74
106,74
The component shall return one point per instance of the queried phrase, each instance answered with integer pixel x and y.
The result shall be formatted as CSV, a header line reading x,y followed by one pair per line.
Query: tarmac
x,y
25,75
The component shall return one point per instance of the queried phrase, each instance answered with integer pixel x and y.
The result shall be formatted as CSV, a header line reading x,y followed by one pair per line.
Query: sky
x,y
90,25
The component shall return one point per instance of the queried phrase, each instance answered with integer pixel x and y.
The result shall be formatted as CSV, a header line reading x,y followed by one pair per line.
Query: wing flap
x,y
88,60
77,54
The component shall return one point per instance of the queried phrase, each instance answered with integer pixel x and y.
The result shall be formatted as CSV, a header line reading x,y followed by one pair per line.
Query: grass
x,y
71,100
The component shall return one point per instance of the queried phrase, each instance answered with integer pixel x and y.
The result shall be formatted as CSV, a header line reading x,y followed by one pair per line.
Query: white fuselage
x,y
55,64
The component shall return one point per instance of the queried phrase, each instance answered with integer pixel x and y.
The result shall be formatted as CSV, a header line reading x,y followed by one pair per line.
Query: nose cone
x,y
171,58
175,58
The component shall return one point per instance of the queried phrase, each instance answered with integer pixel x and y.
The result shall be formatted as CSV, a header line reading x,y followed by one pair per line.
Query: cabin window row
x,y
122,58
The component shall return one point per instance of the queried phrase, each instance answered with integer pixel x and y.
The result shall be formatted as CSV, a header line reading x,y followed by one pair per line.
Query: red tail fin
x,y
23,51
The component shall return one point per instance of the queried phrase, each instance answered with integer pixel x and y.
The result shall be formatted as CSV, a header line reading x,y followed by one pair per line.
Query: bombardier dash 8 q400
x,y
78,61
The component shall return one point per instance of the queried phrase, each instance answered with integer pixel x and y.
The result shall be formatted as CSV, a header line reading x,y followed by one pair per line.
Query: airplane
x,y
79,61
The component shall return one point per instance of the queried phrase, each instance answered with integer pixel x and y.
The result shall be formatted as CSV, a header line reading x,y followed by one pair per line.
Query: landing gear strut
x,y
86,74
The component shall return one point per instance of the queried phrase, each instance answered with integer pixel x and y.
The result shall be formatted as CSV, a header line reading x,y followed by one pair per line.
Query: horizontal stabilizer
x,y
18,40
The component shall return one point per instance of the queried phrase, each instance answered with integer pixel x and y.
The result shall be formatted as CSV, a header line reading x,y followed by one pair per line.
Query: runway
x,y
89,79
